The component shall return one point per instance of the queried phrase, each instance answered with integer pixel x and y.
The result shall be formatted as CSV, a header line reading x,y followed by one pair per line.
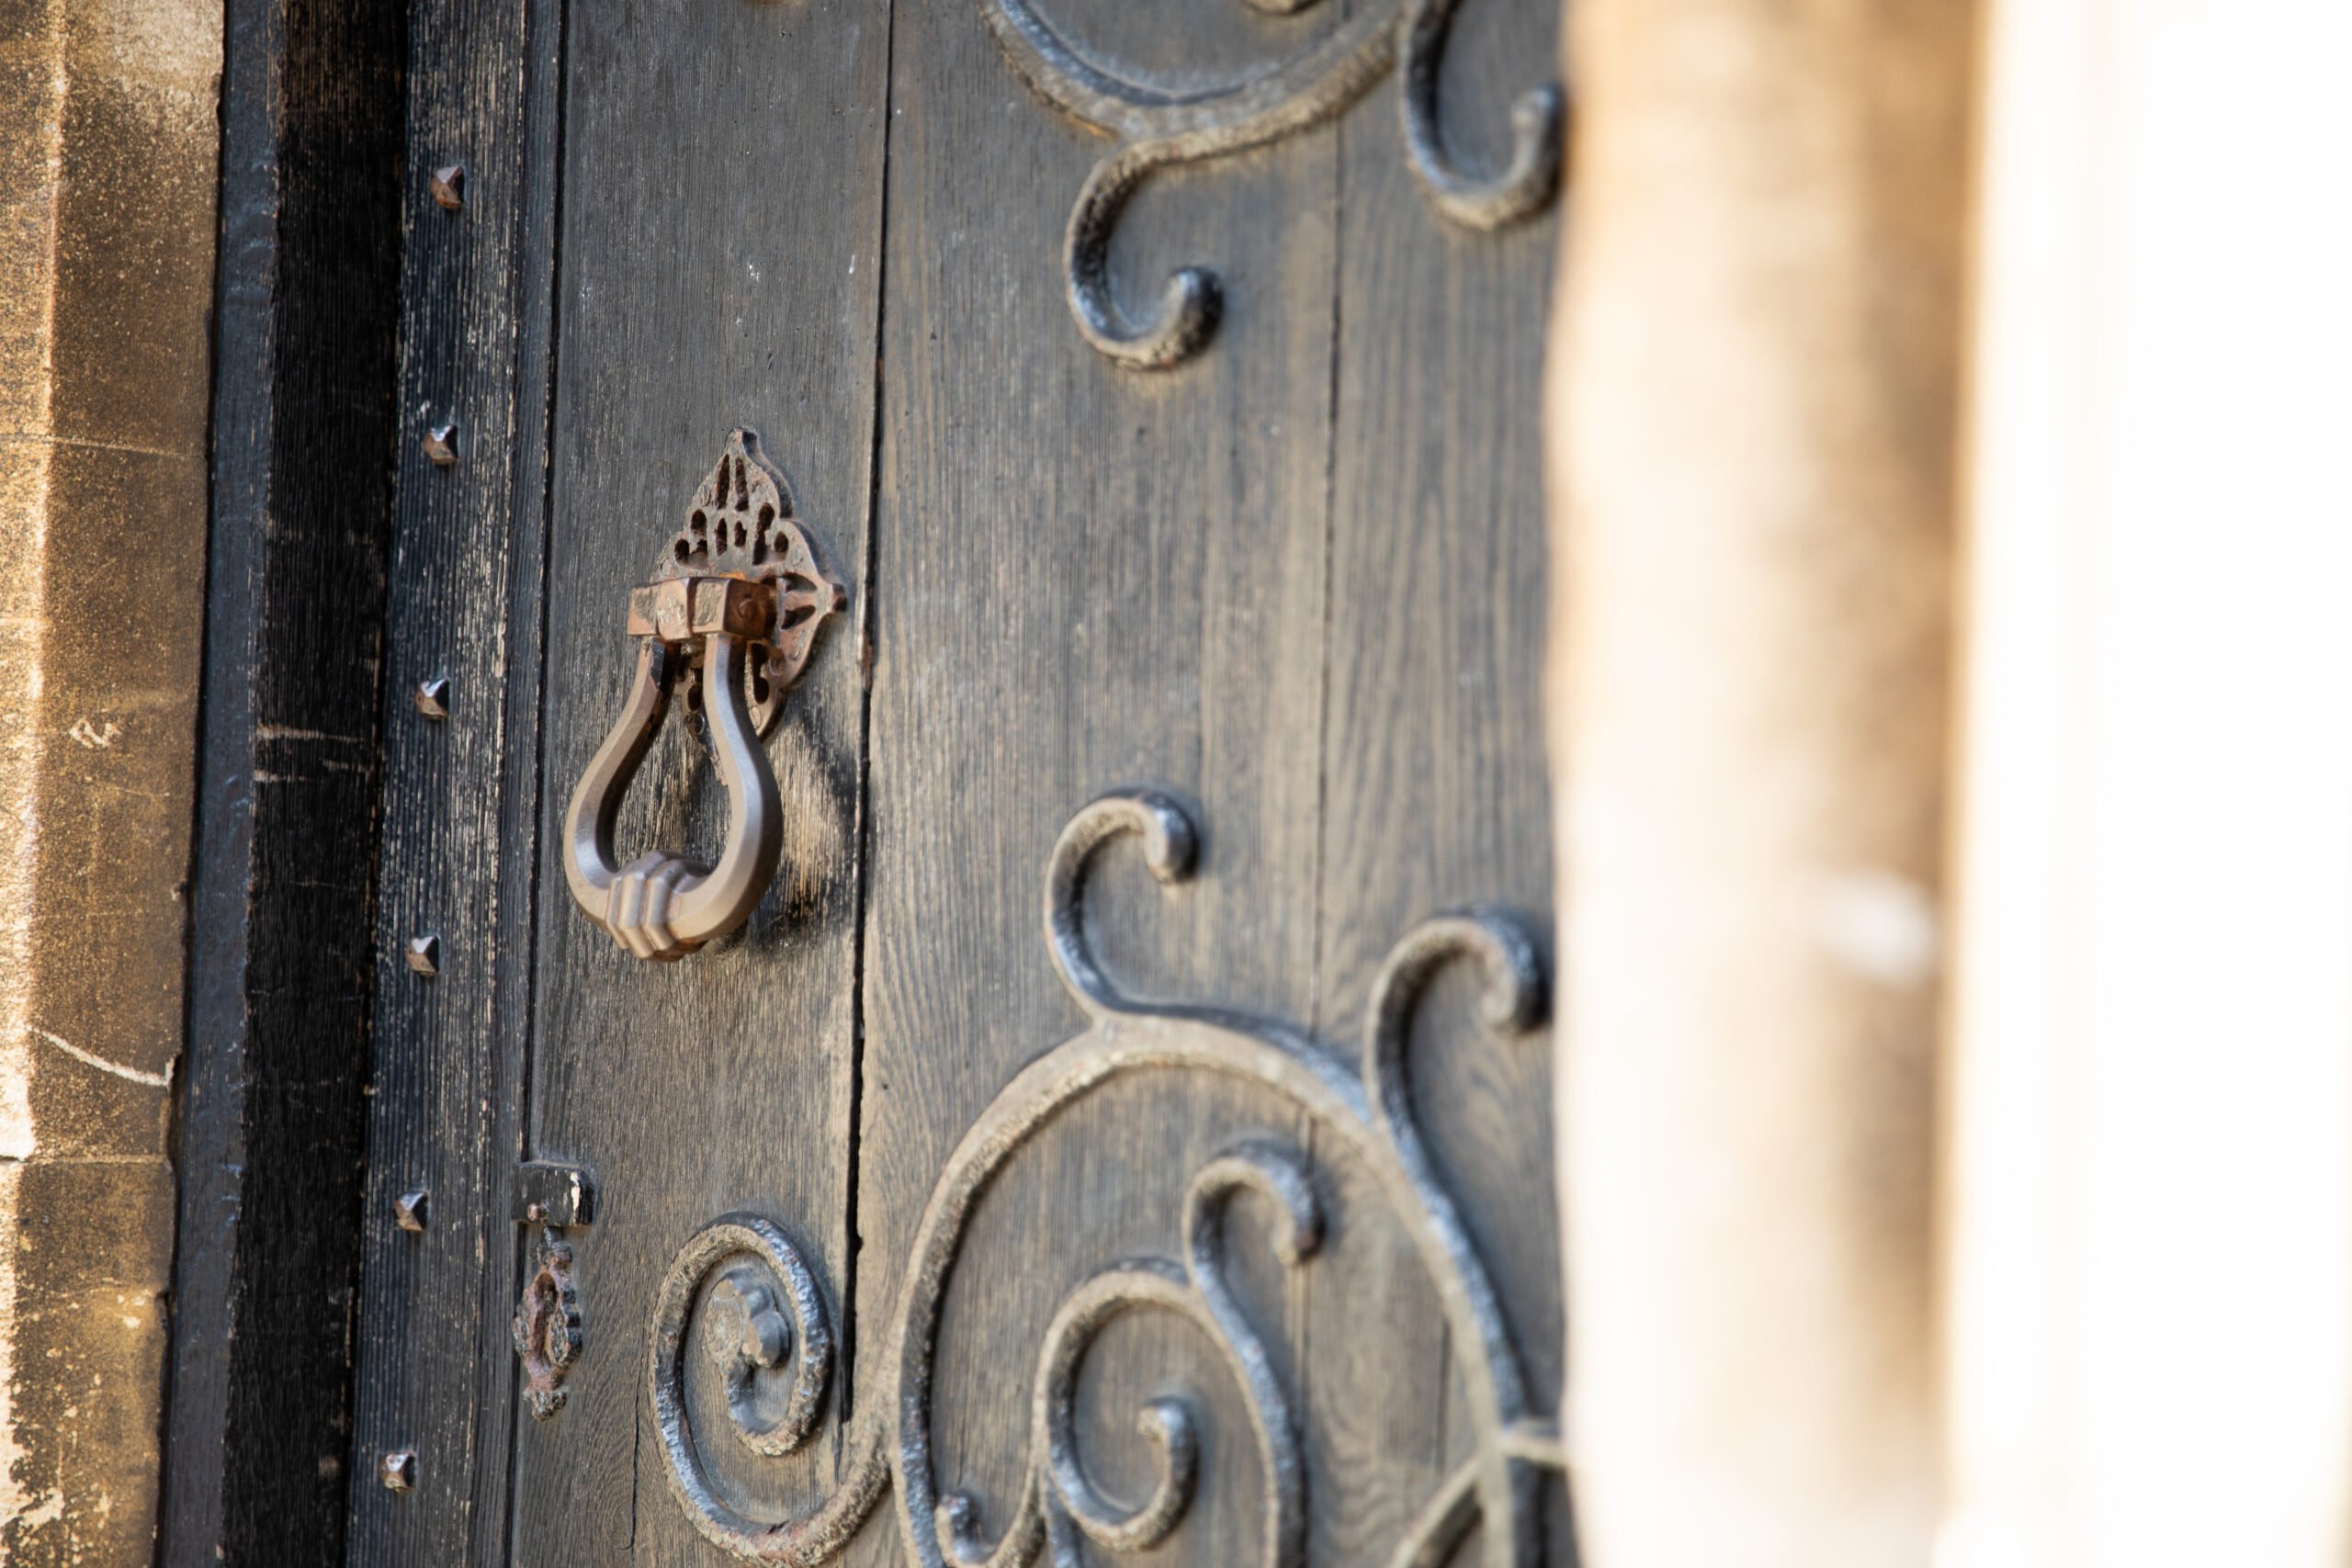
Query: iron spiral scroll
x,y
1497,1487
1159,128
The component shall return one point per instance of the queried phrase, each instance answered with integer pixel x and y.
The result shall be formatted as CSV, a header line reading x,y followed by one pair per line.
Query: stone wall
x,y
108,143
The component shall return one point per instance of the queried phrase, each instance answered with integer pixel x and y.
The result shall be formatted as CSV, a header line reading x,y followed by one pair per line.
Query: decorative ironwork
x,y
741,526
734,608
1527,182
764,1281
1369,1110
1157,128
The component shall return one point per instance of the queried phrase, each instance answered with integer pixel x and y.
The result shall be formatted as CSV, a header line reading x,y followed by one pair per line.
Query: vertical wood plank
x,y
720,266
463,590
1088,577
1436,793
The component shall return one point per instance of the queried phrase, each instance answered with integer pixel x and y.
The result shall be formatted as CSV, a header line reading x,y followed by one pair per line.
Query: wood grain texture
x,y
1435,763
280,966
1088,577
436,1368
1294,581
720,263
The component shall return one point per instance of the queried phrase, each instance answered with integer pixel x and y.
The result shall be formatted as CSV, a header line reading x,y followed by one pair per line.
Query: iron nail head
x,y
449,186
397,1469
441,443
433,697
408,1209
424,953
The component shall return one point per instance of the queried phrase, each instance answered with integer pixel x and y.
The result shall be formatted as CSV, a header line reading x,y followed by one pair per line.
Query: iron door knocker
x,y
732,611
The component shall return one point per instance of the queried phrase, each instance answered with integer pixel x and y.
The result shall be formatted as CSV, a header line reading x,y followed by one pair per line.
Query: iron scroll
x,y
1055,1508
1160,127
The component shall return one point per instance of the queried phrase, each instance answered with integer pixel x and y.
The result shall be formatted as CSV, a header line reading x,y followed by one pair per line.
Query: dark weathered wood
x,y
720,266
1088,577
271,1150
1435,762
1297,581
436,1368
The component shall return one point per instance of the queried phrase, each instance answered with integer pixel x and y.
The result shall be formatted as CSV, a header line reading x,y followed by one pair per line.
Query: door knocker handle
x,y
731,614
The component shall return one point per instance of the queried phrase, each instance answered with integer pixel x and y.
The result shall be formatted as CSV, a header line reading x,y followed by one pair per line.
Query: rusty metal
x,y
397,1469
543,1192
1158,126
423,953
448,185
411,1209
1367,1112
432,698
440,442
548,1335
740,527
765,1314
732,613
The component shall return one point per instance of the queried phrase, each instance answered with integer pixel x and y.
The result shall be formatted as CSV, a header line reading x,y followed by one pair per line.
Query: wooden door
x,y
1217,1224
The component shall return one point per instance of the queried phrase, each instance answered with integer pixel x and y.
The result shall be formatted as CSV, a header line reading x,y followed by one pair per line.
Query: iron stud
x,y
433,697
424,953
441,443
746,1327
408,1209
397,1469
449,186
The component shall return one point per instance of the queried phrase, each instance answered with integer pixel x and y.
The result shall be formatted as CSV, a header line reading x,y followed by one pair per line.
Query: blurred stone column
x,y
2149,1280
1753,400
109,138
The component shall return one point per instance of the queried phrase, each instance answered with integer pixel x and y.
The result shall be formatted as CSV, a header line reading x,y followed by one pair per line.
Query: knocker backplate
x,y
740,524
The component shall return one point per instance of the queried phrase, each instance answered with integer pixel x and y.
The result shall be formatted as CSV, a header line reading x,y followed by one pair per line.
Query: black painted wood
x,y
436,1367
271,1121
